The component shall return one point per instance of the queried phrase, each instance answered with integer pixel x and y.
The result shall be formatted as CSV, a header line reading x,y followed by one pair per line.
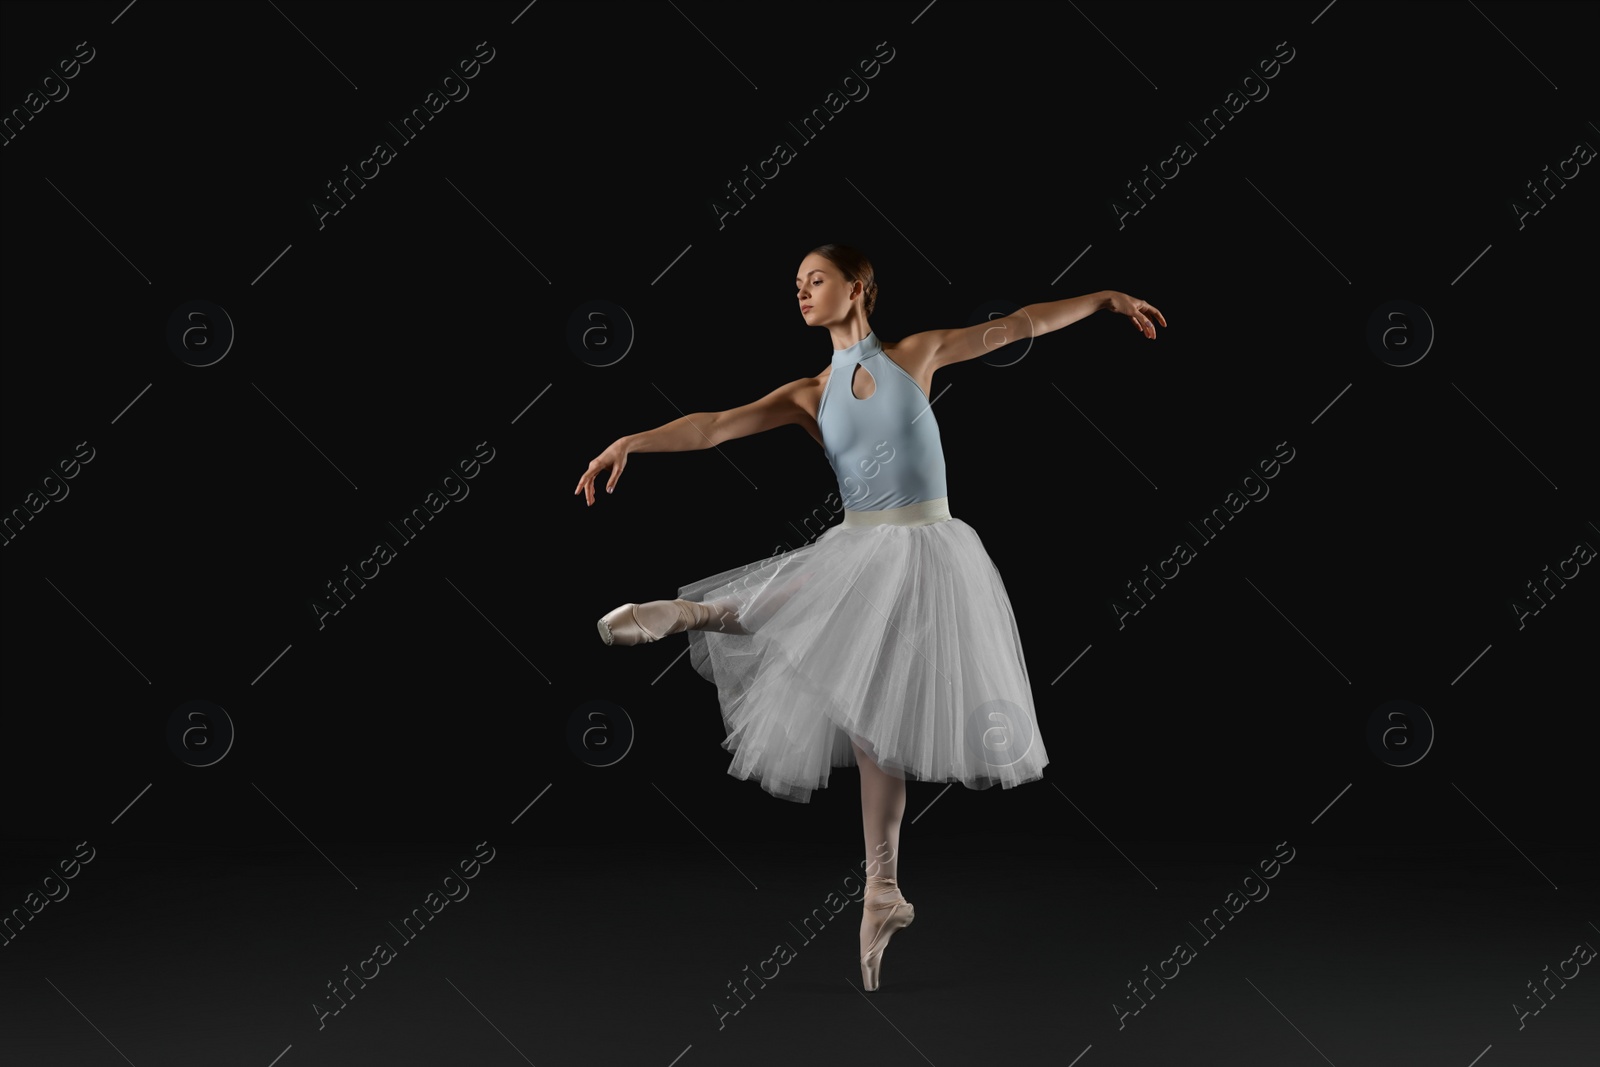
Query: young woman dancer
x,y
889,642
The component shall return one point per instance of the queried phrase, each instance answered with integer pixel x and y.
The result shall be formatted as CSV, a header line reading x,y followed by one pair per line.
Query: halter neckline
x,y
863,348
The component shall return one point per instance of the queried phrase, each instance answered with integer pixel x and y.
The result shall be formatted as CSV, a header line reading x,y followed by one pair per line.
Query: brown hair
x,y
855,266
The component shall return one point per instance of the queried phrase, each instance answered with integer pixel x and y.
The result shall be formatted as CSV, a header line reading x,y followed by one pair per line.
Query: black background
x,y
428,315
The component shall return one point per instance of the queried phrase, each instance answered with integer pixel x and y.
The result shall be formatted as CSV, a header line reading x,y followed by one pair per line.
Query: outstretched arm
x,y
700,430
943,347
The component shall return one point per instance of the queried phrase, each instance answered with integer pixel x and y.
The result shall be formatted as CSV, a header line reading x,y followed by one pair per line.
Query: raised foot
x,y
638,624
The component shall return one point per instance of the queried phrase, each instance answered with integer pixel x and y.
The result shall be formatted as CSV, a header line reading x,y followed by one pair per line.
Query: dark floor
x,y
1372,957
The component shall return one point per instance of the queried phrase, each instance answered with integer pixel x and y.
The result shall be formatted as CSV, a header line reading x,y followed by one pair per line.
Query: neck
x,y
851,331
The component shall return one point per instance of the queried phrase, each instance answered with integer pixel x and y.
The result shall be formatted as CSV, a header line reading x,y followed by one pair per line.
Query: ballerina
x,y
889,642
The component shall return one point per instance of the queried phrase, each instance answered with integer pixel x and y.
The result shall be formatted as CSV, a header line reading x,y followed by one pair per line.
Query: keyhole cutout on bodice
x,y
861,376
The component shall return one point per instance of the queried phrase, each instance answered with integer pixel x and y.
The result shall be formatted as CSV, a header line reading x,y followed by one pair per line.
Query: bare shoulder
x,y
915,352
914,346
808,392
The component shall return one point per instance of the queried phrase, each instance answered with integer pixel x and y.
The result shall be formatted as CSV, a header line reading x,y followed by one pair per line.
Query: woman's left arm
x,y
1058,313
943,347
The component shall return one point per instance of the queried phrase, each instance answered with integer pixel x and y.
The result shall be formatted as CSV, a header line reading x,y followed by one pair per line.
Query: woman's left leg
x,y
883,804
884,908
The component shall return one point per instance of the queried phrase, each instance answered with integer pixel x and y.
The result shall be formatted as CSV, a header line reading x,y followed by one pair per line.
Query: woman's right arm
x,y
698,430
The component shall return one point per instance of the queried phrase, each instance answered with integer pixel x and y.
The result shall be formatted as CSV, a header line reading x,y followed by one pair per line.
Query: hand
x,y
614,458
1138,312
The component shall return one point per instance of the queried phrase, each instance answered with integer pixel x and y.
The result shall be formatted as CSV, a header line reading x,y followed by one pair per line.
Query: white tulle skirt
x,y
891,631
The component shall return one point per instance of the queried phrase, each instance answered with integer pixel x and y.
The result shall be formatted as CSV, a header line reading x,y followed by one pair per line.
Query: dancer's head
x,y
836,284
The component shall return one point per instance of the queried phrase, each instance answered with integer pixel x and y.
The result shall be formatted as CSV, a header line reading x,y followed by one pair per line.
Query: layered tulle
x,y
898,638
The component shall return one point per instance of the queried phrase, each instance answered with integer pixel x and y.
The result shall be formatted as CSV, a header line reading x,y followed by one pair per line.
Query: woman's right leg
x,y
637,624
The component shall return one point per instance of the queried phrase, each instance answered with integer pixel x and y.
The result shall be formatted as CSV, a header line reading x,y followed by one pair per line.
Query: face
x,y
821,292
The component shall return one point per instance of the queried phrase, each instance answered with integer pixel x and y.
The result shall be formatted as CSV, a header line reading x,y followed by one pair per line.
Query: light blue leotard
x,y
885,450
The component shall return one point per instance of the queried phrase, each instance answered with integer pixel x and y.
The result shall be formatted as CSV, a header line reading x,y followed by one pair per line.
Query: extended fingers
x,y
1141,317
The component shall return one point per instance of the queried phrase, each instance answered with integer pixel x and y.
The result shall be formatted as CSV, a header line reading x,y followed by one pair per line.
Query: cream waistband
x,y
919,514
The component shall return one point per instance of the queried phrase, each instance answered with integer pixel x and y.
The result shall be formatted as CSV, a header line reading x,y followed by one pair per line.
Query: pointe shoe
x,y
637,624
891,915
